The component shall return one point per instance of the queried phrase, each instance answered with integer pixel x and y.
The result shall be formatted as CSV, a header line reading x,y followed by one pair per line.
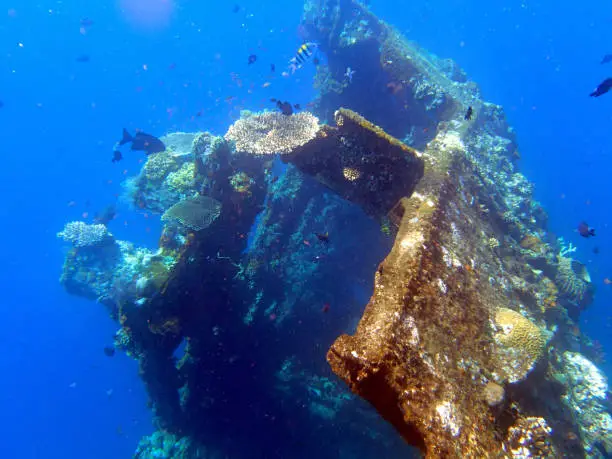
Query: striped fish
x,y
303,55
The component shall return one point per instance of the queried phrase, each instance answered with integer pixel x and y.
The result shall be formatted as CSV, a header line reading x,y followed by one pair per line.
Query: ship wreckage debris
x,y
468,345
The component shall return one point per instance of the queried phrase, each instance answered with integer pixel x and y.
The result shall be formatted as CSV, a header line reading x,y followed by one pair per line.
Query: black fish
x,y
82,58
468,114
603,88
86,22
323,237
106,215
297,106
117,156
285,107
252,59
109,351
584,230
606,59
272,68
143,142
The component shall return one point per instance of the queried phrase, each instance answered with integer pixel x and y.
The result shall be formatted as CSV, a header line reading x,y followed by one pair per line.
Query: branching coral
x,y
195,213
272,132
80,234
522,343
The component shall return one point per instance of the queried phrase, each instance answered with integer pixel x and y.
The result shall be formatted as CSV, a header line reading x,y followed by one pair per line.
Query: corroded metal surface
x,y
360,162
424,347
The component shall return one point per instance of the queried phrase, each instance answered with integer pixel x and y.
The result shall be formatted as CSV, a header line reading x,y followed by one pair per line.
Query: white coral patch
x,y
452,141
411,240
448,418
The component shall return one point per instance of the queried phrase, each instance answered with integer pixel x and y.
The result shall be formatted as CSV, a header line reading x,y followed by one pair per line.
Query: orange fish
x,y
266,84
607,281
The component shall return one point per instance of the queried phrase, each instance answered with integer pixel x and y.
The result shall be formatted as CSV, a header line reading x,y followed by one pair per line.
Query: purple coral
x,y
80,234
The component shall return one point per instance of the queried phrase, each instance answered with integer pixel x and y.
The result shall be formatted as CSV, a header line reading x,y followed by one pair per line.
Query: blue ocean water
x,y
178,69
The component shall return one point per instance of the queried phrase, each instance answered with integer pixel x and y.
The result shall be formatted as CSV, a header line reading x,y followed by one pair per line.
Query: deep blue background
x,y
61,118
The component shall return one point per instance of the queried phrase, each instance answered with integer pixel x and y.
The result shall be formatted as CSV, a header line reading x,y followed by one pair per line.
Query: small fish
x,y
349,74
606,59
302,55
468,114
596,250
266,84
323,237
272,68
109,351
86,22
117,156
252,59
297,106
325,308
83,58
585,231
603,88
1,104
143,142
236,8
607,281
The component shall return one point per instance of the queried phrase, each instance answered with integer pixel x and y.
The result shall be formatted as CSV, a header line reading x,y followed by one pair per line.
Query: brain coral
x,y
521,343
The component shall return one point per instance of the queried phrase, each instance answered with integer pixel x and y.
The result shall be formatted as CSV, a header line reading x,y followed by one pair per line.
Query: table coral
x,y
80,234
272,132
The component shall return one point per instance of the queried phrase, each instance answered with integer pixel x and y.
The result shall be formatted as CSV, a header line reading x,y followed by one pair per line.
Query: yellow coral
x,y
182,181
351,174
550,293
522,343
158,166
533,243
